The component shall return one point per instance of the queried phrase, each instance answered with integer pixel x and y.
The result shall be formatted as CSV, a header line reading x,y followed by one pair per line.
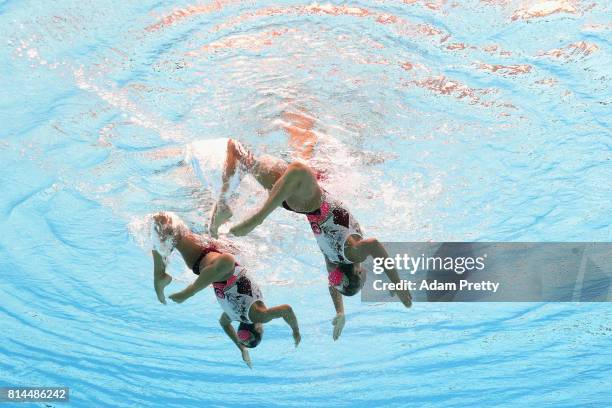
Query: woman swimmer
x,y
295,187
213,262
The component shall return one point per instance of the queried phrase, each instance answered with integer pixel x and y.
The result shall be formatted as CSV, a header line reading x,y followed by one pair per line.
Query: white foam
x,y
207,158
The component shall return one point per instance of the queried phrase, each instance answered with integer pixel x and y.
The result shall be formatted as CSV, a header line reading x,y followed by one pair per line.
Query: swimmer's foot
x,y
220,215
160,285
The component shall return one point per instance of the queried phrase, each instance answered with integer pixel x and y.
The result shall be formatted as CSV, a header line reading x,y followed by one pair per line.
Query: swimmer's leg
x,y
221,211
238,161
160,278
302,138
226,324
298,180
259,313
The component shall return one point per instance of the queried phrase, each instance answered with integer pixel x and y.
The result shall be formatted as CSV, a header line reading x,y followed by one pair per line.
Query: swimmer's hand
x,y
338,323
246,358
296,337
179,297
404,296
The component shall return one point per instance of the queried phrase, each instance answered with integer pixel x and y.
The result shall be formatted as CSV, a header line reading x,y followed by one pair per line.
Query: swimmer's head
x,y
249,334
348,279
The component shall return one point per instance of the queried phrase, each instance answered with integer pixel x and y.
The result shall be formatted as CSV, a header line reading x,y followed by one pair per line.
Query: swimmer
x,y
214,263
295,187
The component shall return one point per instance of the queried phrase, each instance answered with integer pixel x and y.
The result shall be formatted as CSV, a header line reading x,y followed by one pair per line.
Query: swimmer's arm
x,y
226,324
284,188
339,320
336,299
214,272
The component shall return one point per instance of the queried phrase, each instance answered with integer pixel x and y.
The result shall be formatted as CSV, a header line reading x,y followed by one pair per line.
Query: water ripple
x,y
479,120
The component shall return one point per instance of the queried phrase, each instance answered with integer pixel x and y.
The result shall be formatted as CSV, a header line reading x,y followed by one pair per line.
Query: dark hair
x,y
254,335
354,279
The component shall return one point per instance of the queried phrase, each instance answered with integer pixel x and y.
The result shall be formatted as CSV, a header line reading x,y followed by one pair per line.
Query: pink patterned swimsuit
x,y
331,224
237,294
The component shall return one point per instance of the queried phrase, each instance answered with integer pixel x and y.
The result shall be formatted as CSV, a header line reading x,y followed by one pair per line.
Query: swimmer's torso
x,y
332,224
237,295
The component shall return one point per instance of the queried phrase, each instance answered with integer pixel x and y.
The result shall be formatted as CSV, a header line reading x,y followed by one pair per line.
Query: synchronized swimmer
x,y
214,262
295,187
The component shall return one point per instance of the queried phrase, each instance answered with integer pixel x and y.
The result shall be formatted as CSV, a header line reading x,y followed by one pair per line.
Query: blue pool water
x,y
441,120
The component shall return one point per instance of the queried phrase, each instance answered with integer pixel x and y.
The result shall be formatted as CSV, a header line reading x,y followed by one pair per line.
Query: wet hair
x,y
250,334
348,279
